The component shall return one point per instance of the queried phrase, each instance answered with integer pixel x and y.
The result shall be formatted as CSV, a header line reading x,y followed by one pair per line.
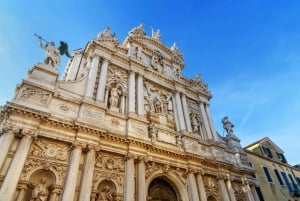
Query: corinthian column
x,y
201,189
230,190
206,123
129,179
192,187
186,113
131,92
89,91
224,192
12,176
87,176
141,181
211,125
102,81
140,95
6,140
179,112
70,184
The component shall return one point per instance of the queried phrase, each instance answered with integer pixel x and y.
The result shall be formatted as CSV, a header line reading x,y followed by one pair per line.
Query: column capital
x,y
94,147
79,145
129,156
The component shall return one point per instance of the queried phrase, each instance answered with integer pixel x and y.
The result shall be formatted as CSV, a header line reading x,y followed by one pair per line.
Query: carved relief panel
x,y
212,187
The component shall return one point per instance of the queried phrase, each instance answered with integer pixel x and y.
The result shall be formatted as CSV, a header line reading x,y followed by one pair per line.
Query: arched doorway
x,y
161,190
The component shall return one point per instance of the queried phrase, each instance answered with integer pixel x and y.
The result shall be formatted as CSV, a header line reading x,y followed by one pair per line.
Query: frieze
x,y
108,162
35,95
92,114
50,150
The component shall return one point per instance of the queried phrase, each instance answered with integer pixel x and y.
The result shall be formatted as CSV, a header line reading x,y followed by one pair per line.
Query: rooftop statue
x,y
156,34
137,31
106,33
52,54
227,125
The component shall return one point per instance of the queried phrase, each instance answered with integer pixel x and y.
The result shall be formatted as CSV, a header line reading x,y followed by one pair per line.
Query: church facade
x,y
123,123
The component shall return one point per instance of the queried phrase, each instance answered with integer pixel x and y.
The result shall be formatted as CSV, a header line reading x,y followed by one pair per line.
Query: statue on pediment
x,y
106,33
137,31
176,53
156,34
52,54
227,125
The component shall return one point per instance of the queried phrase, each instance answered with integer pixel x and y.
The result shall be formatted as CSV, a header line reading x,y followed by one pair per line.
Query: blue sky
x,y
247,51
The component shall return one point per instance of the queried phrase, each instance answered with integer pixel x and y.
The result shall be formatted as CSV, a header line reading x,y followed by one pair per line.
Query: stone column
x,y
6,140
192,187
201,188
54,194
131,92
140,95
224,192
89,91
205,121
71,180
230,190
248,192
129,186
122,104
186,113
12,176
22,191
141,181
211,125
179,112
102,81
254,193
87,176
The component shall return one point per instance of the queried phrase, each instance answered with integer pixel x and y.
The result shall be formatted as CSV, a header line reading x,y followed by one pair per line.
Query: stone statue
x,y
40,191
114,97
137,31
195,123
156,34
105,194
227,125
52,57
106,33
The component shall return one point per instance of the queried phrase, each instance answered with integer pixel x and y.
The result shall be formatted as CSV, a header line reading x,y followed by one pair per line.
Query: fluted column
x,y
206,124
22,191
249,192
131,92
254,193
70,184
140,95
192,185
54,194
87,176
12,176
92,77
102,81
141,181
201,188
6,140
224,192
186,113
230,190
179,112
211,125
129,179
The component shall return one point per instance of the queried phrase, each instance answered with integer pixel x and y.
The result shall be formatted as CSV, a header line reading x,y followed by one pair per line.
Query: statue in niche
x,y
177,73
168,104
133,51
158,106
105,194
40,191
156,34
137,31
106,33
153,132
227,125
114,98
195,122
157,61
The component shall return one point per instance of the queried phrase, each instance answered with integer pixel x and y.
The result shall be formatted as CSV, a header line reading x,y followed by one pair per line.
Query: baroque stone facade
x,y
123,123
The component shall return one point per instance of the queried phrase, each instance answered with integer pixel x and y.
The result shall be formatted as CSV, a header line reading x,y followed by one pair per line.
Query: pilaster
x,y
131,92
92,77
102,80
129,186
